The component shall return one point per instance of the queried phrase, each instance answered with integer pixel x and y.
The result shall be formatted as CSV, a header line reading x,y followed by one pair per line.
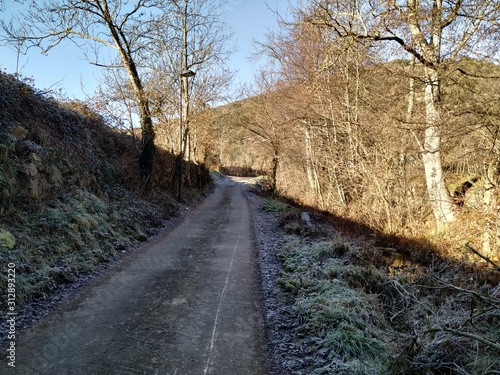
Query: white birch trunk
x,y
439,196
489,204
309,163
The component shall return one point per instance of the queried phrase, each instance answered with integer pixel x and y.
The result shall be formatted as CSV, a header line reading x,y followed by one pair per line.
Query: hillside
x,y
363,160
68,197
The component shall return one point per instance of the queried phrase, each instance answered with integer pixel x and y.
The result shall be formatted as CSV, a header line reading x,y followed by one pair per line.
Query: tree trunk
x,y
146,159
411,94
312,175
309,161
489,206
274,169
185,92
185,121
221,152
439,196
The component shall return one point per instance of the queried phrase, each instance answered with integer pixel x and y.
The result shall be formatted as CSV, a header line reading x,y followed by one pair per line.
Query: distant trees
x,y
267,119
194,40
360,143
375,102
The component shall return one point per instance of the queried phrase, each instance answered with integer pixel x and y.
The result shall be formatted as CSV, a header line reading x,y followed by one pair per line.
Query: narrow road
x,y
185,304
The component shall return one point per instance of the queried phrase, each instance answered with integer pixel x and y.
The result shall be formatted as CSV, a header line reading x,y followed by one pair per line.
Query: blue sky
x,y
65,66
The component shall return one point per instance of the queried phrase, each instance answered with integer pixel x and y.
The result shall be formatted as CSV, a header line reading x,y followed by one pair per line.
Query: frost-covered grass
x,y
339,323
354,318
70,191
216,176
74,233
353,308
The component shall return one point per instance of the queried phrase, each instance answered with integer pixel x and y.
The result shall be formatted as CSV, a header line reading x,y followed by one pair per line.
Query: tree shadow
x,y
238,171
385,250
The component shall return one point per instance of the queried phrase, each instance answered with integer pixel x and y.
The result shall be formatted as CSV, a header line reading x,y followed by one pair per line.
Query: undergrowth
x,y
338,323
360,309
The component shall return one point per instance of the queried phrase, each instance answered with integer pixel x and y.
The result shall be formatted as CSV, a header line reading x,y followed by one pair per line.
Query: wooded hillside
x,y
395,128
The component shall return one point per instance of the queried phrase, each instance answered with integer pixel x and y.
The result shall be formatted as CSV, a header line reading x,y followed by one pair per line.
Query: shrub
x,y
275,206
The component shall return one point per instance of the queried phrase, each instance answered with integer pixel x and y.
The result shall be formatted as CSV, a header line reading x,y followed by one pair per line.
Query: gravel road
x,y
187,303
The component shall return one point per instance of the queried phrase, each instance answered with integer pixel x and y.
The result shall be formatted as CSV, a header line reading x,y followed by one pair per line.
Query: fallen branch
x,y
495,266
493,344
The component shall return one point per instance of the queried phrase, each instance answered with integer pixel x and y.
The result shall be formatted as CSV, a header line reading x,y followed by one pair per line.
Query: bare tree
x,y
195,41
126,27
434,33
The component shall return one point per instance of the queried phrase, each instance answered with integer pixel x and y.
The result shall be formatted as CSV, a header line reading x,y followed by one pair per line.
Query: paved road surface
x,y
186,304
